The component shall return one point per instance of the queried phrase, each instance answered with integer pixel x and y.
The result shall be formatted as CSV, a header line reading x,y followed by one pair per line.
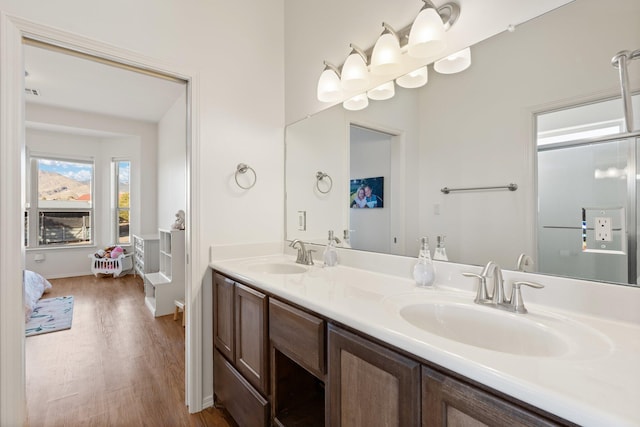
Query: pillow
x,y
34,285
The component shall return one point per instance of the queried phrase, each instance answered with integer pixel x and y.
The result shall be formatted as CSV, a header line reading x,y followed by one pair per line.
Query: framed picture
x,y
367,193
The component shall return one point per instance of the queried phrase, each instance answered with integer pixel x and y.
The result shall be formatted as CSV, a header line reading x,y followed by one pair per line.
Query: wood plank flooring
x,y
116,366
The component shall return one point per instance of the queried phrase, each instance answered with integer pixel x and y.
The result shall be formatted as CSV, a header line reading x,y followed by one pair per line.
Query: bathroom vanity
x,y
307,345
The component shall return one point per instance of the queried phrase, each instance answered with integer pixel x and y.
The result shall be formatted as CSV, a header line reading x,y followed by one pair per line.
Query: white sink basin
x,y
493,331
277,268
532,334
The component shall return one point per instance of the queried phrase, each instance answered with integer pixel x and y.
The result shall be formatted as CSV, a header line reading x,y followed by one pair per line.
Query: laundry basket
x,y
115,266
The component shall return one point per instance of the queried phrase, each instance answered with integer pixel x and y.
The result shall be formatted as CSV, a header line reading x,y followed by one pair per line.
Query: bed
x,y
34,285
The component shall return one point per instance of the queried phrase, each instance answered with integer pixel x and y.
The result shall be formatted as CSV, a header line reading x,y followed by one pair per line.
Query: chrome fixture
x,y
620,62
424,39
497,298
242,169
305,256
320,176
524,261
510,187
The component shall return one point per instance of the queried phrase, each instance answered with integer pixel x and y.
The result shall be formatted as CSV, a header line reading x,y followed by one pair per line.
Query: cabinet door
x,y
223,315
370,385
449,402
252,357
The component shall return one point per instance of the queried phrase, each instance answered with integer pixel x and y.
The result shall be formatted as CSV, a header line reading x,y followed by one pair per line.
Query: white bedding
x,y
33,287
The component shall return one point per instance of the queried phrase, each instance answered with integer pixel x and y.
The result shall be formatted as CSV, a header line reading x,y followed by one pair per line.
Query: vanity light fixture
x,y
384,91
355,74
356,103
414,79
424,38
329,84
454,63
386,55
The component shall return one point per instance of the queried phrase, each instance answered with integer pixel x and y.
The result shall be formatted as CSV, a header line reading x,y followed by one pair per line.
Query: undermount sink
x,y
485,329
535,335
277,268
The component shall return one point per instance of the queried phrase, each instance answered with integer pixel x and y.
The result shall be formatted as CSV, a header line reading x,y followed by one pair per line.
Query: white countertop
x,y
598,385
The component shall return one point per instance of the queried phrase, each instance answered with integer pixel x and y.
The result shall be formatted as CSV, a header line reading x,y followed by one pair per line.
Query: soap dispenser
x,y
440,253
330,255
424,272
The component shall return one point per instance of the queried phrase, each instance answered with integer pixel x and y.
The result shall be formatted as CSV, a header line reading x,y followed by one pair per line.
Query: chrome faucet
x,y
304,256
493,270
497,299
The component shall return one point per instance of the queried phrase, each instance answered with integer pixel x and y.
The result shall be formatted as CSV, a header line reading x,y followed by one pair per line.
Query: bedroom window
x,y
60,212
122,169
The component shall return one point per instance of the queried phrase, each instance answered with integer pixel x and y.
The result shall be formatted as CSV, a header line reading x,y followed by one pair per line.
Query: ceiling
x,y
76,83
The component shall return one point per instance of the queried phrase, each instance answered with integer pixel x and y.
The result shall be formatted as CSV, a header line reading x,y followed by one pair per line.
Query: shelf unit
x,y
166,285
145,254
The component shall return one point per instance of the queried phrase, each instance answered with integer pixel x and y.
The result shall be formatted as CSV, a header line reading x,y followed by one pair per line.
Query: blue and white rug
x,y
50,315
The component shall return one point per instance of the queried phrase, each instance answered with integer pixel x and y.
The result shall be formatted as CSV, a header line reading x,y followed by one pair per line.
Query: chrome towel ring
x,y
242,168
320,176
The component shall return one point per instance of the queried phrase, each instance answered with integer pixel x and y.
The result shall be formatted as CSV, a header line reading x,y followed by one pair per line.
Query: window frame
x,y
33,208
115,182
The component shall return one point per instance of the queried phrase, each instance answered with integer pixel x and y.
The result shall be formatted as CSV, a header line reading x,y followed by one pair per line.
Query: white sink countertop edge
x,y
600,390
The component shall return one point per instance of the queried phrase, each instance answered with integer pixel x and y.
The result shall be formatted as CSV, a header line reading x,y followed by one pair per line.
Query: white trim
x,y
196,269
12,361
12,358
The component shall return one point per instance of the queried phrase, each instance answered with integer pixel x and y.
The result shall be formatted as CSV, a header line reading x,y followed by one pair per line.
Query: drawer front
x,y
299,335
246,406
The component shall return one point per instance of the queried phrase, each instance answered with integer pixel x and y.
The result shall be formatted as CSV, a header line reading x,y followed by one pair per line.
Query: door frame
x,y
12,145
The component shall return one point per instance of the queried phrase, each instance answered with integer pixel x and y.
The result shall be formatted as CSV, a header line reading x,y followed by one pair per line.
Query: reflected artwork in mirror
x,y
480,128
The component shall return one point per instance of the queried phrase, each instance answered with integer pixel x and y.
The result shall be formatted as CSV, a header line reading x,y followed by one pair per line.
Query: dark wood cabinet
x,y
276,364
241,358
251,340
223,315
370,385
449,402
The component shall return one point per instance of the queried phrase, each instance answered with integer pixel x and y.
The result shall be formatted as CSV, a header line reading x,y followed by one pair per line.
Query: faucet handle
x,y
482,294
516,304
309,258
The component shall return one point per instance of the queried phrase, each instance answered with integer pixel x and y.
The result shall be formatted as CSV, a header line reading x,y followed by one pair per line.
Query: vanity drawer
x,y
239,398
299,335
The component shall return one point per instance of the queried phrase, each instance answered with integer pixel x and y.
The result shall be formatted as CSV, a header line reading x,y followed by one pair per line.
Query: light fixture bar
x,y
449,12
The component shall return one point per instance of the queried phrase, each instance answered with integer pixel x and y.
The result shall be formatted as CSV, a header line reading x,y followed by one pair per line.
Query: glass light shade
x,y
454,63
384,91
385,58
358,102
355,75
426,37
329,86
414,79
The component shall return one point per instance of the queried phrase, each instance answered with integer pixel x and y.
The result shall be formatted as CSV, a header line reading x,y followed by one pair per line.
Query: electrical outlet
x,y
602,229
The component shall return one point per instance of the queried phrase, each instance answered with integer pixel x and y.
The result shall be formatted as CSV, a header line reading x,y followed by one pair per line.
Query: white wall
x,y
172,163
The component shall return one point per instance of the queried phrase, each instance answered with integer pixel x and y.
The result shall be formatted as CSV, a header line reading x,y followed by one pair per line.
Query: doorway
x,y
12,405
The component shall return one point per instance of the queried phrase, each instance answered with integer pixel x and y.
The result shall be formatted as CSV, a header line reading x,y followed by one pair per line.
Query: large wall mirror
x,y
480,128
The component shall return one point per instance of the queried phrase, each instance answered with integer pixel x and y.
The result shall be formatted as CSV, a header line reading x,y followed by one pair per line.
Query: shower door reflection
x,y
586,217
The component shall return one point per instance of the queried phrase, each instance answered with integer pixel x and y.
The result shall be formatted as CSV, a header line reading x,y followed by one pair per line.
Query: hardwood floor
x,y
116,366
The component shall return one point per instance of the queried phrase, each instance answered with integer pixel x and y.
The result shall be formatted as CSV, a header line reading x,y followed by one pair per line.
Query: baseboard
x,y
207,402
